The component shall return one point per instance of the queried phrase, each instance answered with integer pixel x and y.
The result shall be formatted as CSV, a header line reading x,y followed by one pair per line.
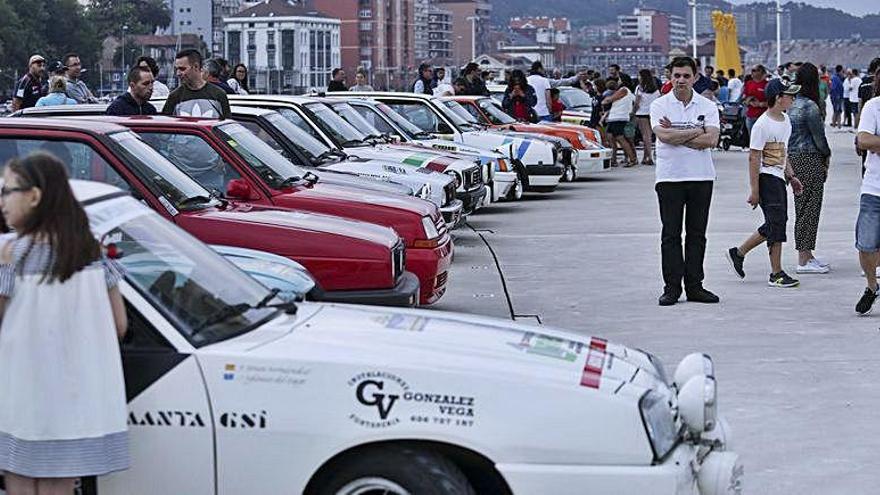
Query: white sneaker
x,y
813,266
821,262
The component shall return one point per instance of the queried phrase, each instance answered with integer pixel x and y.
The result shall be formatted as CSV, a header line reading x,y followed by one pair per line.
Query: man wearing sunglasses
x,y
687,127
30,87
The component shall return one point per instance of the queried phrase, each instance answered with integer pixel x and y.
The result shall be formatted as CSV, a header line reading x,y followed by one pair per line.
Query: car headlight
x,y
697,404
424,191
692,365
659,423
430,228
456,177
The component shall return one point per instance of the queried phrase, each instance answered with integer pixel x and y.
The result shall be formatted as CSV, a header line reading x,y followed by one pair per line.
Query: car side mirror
x,y
238,189
443,128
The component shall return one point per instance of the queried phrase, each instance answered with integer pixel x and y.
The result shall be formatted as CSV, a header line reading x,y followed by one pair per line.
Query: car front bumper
x,y
502,184
544,175
431,266
675,476
406,292
452,212
472,200
593,160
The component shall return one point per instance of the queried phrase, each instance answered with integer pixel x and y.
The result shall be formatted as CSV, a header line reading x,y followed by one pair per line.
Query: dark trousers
x,y
683,203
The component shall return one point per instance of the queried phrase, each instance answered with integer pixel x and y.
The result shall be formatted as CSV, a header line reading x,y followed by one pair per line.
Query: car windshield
x,y
354,118
341,131
495,114
453,109
308,144
176,186
401,123
192,286
268,163
575,98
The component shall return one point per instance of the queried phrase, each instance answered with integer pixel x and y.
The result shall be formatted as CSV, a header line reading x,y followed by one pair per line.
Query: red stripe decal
x,y
592,373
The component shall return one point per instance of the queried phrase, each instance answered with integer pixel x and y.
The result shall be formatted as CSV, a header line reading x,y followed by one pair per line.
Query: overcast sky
x,y
856,7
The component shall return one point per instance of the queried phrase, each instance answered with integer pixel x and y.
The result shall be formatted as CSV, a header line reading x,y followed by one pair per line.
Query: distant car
x,y
293,281
591,153
231,390
542,167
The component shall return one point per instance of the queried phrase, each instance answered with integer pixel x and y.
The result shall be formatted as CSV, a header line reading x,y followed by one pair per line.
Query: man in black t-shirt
x,y
195,97
30,87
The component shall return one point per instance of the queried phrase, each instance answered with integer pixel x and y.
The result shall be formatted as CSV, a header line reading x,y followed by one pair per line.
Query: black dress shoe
x,y
669,297
701,295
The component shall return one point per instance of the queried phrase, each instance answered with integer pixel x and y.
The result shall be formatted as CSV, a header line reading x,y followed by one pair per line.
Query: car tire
x,y
396,470
516,192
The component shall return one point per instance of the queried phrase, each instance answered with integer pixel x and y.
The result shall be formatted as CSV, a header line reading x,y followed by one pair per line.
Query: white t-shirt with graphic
x,y
870,123
770,137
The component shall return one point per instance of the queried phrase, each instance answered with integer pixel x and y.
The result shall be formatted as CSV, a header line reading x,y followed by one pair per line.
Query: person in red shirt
x,y
753,95
556,106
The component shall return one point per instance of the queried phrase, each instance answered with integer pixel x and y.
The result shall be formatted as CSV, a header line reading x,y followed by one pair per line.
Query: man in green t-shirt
x,y
195,97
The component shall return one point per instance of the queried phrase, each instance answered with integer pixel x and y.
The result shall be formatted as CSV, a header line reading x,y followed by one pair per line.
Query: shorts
x,y
868,224
774,203
616,129
837,104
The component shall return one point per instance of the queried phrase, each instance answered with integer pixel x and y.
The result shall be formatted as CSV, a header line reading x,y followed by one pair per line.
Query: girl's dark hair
x,y
243,83
647,81
807,76
59,218
517,77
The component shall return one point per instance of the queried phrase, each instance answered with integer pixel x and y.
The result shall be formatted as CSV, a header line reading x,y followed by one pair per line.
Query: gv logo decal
x,y
383,402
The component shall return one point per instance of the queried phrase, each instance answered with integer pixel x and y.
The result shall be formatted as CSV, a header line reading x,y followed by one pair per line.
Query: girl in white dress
x,y
63,413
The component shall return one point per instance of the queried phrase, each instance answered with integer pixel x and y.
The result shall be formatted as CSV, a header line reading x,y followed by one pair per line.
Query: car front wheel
x,y
396,470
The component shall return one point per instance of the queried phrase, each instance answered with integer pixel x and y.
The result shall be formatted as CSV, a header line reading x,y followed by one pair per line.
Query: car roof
x,y
151,120
278,98
85,108
374,94
250,111
87,191
464,98
65,124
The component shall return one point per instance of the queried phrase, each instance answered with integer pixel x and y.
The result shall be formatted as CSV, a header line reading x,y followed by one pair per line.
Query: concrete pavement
x,y
796,368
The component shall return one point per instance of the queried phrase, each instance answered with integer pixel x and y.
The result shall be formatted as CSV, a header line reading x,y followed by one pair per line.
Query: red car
x,y
226,157
352,261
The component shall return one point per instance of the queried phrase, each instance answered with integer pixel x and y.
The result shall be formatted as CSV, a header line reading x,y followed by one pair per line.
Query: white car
x,y
231,390
541,160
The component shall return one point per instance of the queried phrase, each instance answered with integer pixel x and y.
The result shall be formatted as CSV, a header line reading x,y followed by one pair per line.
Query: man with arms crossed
x,y
687,127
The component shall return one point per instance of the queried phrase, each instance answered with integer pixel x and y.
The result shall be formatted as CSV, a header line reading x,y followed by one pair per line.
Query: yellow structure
x,y
726,43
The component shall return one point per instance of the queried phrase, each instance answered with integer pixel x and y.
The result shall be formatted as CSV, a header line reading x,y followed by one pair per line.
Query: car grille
x,y
472,177
441,279
398,260
441,225
449,193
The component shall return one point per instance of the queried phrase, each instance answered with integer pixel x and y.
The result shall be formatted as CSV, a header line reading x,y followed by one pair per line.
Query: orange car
x,y
591,154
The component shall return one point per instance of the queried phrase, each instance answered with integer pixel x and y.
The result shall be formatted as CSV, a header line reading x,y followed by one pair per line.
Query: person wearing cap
x,y
769,171
57,94
76,87
30,87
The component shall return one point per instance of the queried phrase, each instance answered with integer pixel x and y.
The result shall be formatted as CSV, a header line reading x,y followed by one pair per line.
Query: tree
x,y
141,16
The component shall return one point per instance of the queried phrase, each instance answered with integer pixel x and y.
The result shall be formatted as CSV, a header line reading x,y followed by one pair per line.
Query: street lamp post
x,y
778,33
473,19
693,6
124,31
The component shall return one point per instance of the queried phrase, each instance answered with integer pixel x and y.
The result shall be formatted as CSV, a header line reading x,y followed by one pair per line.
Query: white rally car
x,y
541,160
234,391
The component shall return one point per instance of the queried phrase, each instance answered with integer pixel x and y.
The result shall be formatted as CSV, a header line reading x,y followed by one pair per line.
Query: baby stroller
x,y
733,126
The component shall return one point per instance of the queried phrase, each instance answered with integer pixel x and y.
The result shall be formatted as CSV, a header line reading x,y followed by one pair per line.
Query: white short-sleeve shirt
x,y
870,123
770,137
541,85
680,163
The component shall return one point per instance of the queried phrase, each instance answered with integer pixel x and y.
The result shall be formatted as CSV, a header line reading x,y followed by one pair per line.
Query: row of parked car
x,y
236,385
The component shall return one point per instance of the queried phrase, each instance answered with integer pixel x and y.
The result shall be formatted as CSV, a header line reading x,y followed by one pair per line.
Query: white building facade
x,y
288,49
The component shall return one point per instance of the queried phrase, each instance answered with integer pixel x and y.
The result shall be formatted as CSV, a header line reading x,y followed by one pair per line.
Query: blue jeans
x,y
545,118
868,224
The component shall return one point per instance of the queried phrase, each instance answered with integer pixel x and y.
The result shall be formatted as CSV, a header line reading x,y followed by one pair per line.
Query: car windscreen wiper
x,y
242,308
423,135
195,201
353,142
